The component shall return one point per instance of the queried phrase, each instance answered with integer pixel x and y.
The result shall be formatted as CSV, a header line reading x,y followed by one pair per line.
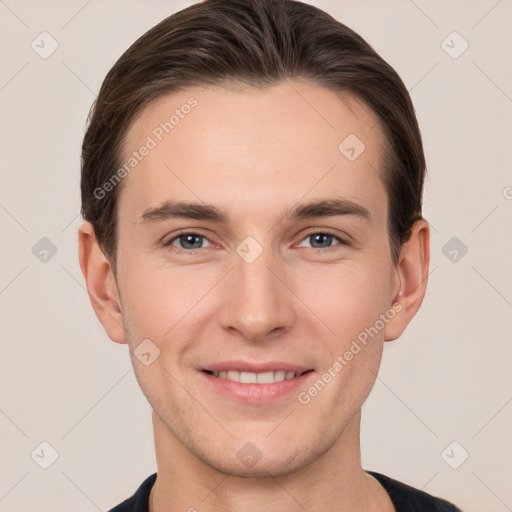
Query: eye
x,y
187,240
322,240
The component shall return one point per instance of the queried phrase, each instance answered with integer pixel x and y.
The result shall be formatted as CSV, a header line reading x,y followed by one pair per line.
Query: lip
x,y
255,367
251,393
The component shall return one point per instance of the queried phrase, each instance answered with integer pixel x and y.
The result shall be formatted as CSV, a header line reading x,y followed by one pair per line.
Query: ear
x,y
101,283
411,279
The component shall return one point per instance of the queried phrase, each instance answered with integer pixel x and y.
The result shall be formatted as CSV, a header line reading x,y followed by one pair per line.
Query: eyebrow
x,y
328,208
198,211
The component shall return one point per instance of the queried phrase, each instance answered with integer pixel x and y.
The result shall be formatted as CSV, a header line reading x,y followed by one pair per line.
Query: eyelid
x,y
326,231
186,231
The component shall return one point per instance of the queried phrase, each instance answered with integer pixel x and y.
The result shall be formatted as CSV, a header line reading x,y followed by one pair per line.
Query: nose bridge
x,y
256,303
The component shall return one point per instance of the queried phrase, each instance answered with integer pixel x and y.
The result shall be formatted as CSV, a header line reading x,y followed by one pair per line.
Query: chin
x,y
249,461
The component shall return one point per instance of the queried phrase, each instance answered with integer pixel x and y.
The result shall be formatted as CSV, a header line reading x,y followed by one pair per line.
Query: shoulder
x,y
408,499
139,502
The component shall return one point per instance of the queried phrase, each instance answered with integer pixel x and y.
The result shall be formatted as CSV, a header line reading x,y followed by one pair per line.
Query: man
x,y
252,177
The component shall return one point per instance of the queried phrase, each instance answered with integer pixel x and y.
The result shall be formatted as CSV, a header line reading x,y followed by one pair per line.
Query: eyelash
x,y
341,241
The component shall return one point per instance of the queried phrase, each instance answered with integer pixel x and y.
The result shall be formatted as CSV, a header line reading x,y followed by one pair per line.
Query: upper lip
x,y
255,367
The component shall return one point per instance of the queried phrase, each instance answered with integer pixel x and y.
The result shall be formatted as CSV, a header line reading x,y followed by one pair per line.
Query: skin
x,y
256,154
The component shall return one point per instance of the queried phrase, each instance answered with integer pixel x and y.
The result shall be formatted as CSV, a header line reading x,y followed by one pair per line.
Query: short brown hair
x,y
258,43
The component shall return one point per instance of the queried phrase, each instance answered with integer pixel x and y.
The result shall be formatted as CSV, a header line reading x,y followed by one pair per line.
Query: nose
x,y
258,304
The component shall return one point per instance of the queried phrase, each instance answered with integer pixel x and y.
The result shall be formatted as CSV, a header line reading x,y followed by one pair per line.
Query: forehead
x,y
245,145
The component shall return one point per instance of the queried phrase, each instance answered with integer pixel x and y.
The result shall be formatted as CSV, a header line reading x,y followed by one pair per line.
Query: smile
x,y
268,377
255,382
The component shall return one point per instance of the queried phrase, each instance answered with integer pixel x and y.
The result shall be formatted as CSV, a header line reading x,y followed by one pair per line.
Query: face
x,y
251,284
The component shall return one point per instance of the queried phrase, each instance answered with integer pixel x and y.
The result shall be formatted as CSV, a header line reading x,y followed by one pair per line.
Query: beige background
x,y
447,379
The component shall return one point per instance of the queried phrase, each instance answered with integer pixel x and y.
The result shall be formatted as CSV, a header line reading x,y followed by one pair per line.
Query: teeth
x,y
231,375
256,378
245,377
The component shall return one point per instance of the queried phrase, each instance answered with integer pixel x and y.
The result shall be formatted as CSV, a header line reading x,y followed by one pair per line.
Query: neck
x,y
335,480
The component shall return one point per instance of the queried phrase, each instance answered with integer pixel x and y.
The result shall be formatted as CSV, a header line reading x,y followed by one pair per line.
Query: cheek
x,y
158,297
350,305
347,298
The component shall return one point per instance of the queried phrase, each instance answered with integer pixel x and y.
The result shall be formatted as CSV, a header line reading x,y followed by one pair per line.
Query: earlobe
x,y
412,273
101,284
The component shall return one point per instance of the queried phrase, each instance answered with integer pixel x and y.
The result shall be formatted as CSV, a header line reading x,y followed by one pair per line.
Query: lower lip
x,y
256,393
